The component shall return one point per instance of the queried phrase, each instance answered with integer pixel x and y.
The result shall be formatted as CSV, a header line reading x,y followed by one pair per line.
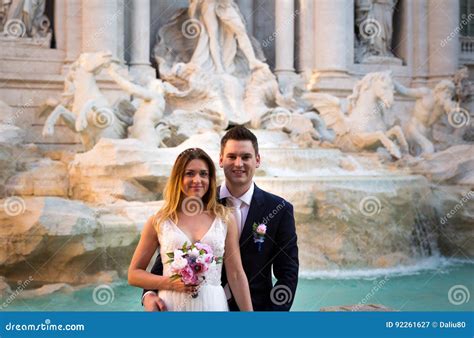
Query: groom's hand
x,y
152,303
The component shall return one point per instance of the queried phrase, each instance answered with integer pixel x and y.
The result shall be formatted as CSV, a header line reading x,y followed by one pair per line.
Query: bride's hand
x,y
179,286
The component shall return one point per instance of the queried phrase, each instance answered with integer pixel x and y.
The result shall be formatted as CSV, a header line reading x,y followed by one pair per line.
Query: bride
x,y
192,214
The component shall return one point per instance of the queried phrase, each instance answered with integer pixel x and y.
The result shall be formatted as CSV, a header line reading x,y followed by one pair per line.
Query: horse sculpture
x,y
361,125
84,109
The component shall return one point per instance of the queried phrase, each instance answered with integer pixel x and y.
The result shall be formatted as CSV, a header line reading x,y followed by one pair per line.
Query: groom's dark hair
x,y
239,133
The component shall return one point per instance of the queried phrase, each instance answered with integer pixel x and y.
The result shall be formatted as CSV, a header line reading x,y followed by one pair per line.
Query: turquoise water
x,y
423,287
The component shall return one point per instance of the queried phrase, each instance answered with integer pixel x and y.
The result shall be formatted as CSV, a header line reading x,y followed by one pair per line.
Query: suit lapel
x,y
255,214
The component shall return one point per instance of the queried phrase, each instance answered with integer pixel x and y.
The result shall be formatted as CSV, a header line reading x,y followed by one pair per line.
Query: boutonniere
x,y
259,231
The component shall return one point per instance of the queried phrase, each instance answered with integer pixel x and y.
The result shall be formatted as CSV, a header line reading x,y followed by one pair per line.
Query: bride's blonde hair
x,y
174,195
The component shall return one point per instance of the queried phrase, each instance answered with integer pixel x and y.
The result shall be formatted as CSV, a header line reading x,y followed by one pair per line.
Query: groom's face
x,y
239,161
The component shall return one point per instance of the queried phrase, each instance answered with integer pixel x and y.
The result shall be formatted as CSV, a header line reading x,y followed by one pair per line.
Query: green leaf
x,y
175,277
170,254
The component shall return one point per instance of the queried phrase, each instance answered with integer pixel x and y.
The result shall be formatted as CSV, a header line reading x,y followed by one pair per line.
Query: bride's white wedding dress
x,y
211,296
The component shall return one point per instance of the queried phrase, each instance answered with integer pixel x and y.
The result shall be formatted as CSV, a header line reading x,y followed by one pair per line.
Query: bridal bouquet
x,y
191,262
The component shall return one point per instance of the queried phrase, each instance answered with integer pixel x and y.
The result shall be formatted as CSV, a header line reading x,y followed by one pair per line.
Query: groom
x,y
276,250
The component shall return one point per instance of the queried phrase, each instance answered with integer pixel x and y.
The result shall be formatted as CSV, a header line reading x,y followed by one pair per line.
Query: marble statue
x,y
84,108
374,22
146,121
361,125
222,21
208,44
272,109
464,87
24,18
430,106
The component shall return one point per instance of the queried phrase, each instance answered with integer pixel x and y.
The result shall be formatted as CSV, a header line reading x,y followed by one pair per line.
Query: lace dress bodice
x,y
171,237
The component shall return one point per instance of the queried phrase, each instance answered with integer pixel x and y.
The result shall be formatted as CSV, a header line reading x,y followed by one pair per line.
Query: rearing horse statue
x,y
361,125
84,108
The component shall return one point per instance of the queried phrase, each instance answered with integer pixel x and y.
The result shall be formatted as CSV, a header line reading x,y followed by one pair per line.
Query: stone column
x,y
140,65
246,8
73,30
443,21
333,52
304,60
330,39
285,17
420,43
102,26
60,24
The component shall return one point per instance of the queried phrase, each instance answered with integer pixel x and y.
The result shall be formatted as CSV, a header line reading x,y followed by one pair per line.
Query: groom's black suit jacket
x,y
279,251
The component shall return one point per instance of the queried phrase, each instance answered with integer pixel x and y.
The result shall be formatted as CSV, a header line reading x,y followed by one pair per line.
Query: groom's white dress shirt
x,y
241,204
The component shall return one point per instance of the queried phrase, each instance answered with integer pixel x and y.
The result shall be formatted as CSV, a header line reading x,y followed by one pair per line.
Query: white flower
x,y
179,263
194,253
178,253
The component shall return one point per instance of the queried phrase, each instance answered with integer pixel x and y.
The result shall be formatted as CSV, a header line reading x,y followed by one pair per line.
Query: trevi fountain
x,y
369,136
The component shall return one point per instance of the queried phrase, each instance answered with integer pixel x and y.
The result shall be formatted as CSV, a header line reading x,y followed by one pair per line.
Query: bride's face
x,y
196,179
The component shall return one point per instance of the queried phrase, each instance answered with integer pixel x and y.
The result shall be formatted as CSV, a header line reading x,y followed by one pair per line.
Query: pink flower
x,y
205,259
208,258
203,246
200,268
261,229
187,275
